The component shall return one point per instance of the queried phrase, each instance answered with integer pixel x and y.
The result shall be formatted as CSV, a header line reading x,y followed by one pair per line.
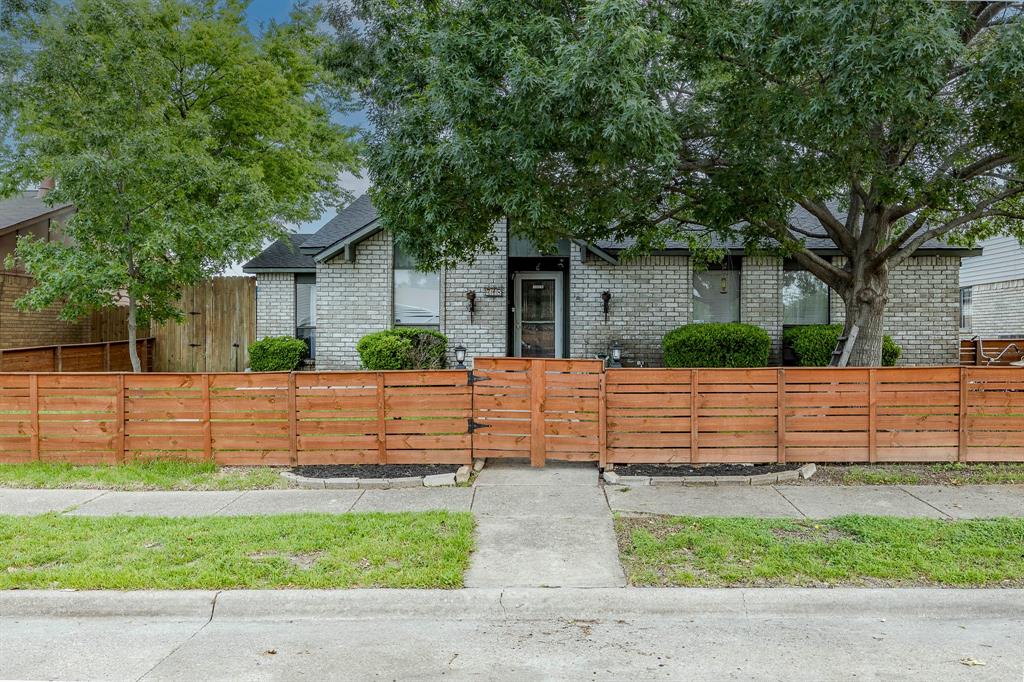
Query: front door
x,y
538,315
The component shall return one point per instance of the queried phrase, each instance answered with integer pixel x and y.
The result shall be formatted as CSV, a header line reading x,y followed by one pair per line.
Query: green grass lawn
x,y
143,475
850,550
426,549
948,473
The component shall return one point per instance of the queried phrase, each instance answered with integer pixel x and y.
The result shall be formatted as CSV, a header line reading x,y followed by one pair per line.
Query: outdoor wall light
x,y
460,356
606,296
616,355
471,297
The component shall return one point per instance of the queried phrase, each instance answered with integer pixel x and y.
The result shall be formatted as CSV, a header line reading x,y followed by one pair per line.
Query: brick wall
x,y
997,309
650,296
275,304
923,314
353,299
761,298
485,335
36,327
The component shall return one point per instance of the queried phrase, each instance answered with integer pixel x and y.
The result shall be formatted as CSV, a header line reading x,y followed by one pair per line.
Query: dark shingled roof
x,y
283,255
349,220
25,207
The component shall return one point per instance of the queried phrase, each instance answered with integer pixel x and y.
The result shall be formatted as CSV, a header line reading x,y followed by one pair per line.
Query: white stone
x,y
462,475
807,470
478,464
439,480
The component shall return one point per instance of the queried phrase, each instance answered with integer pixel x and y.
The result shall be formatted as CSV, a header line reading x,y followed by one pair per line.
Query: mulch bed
x,y
373,470
701,470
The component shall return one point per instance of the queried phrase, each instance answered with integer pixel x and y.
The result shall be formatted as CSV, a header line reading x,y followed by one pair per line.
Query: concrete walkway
x,y
558,491
522,634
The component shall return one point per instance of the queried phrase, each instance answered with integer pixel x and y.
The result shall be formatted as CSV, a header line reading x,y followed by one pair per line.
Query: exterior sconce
x,y
460,356
615,355
471,297
606,296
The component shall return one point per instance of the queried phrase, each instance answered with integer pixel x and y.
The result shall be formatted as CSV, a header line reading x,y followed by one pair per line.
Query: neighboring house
x,y
348,279
992,290
23,214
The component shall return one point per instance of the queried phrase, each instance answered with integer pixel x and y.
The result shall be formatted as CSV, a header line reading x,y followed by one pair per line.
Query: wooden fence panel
x,y
571,409
107,356
336,417
16,418
163,417
77,416
991,348
648,415
427,416
249,418
826,414
737,415
994,414
918,414
501,407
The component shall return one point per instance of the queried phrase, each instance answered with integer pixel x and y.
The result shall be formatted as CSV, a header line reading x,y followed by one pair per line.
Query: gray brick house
x,y
348,279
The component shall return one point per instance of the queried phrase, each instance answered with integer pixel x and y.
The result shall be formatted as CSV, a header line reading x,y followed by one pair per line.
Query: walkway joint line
x,y
925,502
791,503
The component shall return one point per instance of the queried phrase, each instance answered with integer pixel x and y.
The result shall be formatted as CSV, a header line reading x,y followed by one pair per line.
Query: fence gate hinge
x,y
473,378
473,426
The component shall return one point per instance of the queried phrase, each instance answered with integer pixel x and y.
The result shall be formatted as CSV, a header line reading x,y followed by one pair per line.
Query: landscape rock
x,y
478,465
439,480
611,477
807,470
462,475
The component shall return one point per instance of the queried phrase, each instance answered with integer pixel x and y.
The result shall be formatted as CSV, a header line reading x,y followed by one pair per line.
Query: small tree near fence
x,y
183,140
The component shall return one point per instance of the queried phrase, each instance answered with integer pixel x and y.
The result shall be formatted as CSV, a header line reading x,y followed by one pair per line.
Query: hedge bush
x,y
403,348
714,344
277,354
813,345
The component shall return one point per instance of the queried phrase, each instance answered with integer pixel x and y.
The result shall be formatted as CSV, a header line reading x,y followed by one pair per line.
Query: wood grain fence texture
x,y
107,356
507,407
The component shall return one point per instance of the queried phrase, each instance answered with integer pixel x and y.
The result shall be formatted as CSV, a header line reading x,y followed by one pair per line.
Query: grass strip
x,y
946,473
159,474
420,550
867,551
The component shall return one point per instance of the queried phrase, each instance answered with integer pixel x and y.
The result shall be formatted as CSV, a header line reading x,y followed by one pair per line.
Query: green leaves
x,y
183,140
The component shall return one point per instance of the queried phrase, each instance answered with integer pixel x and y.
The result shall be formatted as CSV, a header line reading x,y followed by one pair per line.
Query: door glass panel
x,y
538,300
538,340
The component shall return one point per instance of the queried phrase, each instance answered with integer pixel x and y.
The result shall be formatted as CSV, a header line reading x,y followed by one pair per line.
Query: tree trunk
x,y
133,350
865,307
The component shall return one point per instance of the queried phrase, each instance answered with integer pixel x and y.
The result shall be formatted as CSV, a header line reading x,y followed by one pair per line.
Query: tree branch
x,y
836,230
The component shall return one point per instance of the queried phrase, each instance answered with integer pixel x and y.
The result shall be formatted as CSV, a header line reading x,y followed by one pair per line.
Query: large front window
x,y
804,298
417,294
305,310
716,296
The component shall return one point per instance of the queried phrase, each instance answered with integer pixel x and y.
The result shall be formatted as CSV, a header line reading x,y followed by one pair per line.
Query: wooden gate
x,y
538,408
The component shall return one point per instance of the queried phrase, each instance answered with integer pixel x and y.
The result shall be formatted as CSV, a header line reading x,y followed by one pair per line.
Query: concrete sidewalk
x,y
532,634
557,491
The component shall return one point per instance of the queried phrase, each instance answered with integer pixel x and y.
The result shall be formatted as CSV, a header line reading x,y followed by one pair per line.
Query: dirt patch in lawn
x,y
373,470
702,469
303,560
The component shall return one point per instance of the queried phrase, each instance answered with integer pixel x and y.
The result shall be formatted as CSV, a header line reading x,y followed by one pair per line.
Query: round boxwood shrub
x,y
403,348
277,354
714,344
813,344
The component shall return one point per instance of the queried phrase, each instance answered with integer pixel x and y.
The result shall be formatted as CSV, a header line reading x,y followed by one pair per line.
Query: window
x,y
716,296
965,308
305,311
417,294
805,298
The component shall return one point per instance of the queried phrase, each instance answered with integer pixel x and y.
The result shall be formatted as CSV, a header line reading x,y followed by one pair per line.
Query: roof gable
x,y
25,207
283,255
351,220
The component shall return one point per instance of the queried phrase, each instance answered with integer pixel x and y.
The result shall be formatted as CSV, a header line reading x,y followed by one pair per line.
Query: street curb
x,y
497,603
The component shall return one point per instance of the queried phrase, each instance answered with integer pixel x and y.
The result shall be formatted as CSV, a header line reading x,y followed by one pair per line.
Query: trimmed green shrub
x,y
813,344
403,348
715,344
277,354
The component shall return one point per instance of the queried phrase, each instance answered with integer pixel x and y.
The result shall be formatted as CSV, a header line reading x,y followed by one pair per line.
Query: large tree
x,y
892,122
183,140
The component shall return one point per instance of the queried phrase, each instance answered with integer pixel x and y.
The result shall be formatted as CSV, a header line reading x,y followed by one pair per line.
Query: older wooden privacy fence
x,y
509,407
103,356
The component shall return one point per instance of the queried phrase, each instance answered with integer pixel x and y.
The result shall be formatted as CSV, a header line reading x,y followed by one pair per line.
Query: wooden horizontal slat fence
x,y
991,348
510,407
104,356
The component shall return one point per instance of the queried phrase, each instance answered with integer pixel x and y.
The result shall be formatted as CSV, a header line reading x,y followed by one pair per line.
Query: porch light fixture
x,y
460,356
616,355
606,296
471,297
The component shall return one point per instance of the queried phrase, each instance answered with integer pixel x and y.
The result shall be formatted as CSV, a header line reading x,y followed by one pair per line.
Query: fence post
x,y
58,359
872,415
780,404
694,408
293,422
119,452
978,351
382,437
602,422
537,449
207,427
961,449
33,399
106,356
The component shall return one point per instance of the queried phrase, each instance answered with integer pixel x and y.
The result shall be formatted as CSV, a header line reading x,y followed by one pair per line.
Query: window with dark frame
x,y
965,309
417,294
305,311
